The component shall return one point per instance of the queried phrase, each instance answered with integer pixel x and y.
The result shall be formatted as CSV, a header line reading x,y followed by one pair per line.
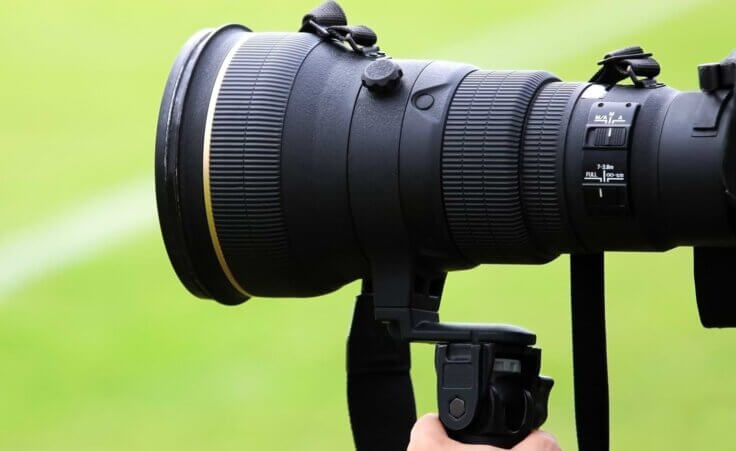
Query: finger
x,y
538,441
428,429
428,434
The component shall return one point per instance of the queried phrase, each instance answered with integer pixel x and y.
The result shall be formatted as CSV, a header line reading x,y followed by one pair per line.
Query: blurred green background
x,y
102,348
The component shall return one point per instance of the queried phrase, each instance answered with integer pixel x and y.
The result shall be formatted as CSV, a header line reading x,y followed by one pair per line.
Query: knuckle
x,y
549,442
419,427
422,442
540,441
423,437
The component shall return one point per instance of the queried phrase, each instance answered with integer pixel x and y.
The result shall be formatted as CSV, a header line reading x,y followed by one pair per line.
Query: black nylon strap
x,y
630,62
329,19
361,34
714,268
327,14
380,394
589,351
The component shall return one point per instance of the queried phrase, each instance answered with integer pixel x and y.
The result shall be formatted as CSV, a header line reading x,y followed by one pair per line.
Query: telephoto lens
x,y
286,165
290,164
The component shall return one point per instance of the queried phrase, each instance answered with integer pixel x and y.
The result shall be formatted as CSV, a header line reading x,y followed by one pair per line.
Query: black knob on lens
x,y
382,76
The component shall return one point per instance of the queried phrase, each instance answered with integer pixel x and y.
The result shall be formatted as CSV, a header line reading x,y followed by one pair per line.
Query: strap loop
x,y
380,394
362,35
630,62
327,14
329,21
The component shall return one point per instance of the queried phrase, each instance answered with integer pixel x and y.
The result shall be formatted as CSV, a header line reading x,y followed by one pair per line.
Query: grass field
x,y
102,348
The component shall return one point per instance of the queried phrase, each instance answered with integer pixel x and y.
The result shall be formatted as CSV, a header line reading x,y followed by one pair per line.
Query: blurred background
x,y
101,347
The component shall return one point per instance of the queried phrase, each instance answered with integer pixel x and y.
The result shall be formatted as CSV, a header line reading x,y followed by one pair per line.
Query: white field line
x,y
114,216
109,218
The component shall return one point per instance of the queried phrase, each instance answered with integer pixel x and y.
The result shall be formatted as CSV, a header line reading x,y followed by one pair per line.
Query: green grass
x,y
112,353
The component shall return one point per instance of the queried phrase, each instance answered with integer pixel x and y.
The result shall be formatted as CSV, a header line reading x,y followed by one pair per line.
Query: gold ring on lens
x,y
206,167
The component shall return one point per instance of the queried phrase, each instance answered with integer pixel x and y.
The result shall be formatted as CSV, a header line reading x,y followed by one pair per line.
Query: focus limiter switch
x,y
605,200
605,183
605,137
609,125
606,158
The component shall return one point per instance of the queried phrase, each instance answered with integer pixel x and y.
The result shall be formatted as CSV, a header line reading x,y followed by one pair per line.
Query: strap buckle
x,y
631,62
642,82
344,34
328,21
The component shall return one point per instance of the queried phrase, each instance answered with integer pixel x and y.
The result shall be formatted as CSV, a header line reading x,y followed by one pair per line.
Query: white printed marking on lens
x,y
594,92
108,220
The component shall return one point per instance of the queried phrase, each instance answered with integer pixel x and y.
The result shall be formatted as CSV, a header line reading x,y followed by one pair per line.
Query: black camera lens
x,y
290,164
281,171
179,162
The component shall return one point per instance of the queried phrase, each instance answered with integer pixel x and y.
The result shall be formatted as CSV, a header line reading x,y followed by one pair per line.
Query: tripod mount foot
x,y
491,392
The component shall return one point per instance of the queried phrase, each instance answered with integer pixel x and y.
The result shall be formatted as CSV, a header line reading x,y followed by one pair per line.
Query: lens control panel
x,y
606,158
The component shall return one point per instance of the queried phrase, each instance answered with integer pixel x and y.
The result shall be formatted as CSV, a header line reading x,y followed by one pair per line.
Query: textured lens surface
x,y
481,163
245,153
544,135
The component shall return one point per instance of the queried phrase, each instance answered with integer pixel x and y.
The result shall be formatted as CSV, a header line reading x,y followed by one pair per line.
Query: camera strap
x,y
630,62
329,21
380,393
589,351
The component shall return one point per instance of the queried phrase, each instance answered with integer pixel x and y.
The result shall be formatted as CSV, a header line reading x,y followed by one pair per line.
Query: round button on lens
x,y
424,101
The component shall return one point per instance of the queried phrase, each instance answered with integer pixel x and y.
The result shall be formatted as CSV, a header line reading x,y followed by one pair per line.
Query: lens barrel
x,y
179,177
279,173
242,153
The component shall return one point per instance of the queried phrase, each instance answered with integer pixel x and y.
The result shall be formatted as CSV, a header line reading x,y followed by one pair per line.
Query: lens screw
x,y
457,407
382,76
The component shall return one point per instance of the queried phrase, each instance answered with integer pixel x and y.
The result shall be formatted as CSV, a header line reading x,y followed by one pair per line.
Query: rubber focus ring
x,y
481,159
544,139
245,151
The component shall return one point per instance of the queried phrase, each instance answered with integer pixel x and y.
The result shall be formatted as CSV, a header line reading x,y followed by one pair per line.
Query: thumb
x,y
428,434
538,441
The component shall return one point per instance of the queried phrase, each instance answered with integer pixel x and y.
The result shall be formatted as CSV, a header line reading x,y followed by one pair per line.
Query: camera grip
x,y
490,393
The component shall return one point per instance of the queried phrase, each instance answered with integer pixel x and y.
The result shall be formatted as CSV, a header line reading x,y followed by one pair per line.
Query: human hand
x,y
428,434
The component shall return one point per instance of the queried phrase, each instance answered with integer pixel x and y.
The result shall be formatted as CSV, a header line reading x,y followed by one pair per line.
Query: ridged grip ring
x,y
544,140
243,166
481,165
